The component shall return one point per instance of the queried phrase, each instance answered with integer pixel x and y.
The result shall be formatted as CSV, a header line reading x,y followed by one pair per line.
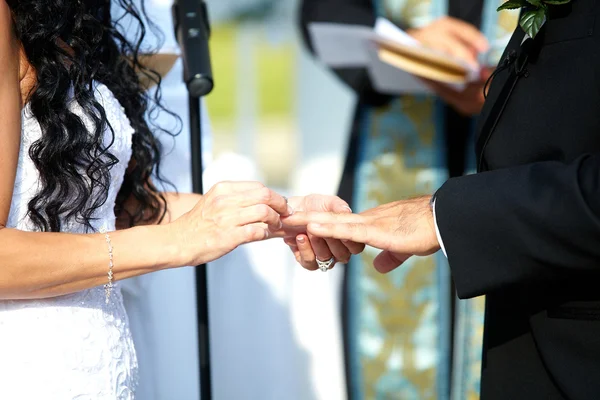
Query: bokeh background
x,y
272,103
274,116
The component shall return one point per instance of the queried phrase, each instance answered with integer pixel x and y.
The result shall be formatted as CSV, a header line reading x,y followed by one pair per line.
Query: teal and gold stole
x,y
399,324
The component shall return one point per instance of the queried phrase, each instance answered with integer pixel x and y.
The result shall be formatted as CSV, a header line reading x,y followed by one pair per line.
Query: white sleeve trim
x,y
437,230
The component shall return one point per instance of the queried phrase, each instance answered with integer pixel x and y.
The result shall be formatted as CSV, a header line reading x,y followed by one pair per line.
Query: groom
x,y
525,231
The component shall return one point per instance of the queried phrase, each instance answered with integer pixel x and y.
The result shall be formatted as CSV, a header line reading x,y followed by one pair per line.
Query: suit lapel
x,y
510,69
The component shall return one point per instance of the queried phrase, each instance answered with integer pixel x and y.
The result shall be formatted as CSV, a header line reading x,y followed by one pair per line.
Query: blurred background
x,y
275,328
272,103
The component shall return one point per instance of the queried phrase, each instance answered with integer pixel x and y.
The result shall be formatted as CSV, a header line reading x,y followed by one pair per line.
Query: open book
x,y
394,59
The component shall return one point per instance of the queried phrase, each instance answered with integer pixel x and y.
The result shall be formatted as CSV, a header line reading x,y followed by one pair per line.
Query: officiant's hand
x,y
454,37
307,247
465,42
468,101
401,229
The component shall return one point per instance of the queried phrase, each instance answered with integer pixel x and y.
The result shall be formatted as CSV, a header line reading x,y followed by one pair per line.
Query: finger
x,y
458,49
326,204
267,196
320,248
290,241
226,187
355,232
307,256
250,233
485,74
297,256
255,214
353,247
468,34
248,198
338,250
387,261
301,219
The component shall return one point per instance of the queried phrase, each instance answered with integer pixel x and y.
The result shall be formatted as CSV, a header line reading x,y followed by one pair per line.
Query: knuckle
x,y
254,233
218,220
265,194
263,211
219,201
220,187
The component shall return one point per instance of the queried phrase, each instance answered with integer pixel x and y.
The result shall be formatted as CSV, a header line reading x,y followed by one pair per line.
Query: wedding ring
x,y
325,265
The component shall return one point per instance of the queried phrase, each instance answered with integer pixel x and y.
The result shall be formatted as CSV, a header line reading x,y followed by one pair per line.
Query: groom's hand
x,y
307,247
401,229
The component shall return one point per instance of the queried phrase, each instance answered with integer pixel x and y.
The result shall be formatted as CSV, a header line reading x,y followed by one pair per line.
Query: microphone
x,y
192,31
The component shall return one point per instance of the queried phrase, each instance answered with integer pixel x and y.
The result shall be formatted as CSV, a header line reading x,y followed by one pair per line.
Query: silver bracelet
x,y
109,286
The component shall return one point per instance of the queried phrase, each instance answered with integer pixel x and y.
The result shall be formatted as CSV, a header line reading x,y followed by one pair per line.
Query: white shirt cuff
x,y
437,230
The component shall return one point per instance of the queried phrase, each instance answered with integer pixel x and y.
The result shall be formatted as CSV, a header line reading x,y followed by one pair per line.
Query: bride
x,y
78,208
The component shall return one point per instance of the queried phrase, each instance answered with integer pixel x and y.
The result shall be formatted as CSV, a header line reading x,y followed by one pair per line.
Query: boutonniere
x,y
535,13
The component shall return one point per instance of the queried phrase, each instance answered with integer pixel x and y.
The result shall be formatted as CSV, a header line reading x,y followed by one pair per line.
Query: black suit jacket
x,y
525,231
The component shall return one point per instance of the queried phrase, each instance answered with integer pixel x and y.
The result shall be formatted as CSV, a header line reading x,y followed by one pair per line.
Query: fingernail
x,y
290,210
348,209
317,226
301,239
280,225
345,241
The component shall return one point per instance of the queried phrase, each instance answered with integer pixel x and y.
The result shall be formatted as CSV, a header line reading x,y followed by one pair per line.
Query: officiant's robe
x,y
526,231
403,337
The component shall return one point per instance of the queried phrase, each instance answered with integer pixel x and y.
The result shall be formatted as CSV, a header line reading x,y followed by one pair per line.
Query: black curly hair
x,y
74,164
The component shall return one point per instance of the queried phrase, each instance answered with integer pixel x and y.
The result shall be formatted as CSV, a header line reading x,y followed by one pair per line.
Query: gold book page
x,y
422,62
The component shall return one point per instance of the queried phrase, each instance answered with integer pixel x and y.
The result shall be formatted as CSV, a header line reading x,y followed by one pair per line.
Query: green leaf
x,y
536,3
556,2
532,21
513,4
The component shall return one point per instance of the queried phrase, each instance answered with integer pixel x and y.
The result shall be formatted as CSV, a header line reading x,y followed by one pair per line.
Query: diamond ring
x,y
325,265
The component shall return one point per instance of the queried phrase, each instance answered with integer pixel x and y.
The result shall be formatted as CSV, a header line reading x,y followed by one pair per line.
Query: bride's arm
x,y
36,265
10,109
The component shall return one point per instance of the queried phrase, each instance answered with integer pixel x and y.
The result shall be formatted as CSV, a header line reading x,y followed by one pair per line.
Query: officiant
x,y
402,330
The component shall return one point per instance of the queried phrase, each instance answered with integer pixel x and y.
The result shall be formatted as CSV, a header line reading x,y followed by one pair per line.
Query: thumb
x,y
342,207
335,204
388,261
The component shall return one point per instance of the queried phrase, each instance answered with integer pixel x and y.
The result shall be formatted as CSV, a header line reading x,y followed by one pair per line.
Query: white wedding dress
x,y
74,346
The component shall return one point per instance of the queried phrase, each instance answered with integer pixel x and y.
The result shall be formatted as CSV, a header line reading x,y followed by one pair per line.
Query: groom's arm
x,y
537,222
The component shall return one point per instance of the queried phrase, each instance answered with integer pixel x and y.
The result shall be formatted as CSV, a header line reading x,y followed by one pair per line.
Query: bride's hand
x,y
229,215
307,247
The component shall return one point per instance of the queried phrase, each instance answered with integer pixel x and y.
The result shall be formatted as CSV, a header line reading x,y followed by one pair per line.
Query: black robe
x,y
458,127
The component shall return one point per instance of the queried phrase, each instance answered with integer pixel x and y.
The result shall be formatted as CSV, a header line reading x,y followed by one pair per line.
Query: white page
x,y
386,29
341,45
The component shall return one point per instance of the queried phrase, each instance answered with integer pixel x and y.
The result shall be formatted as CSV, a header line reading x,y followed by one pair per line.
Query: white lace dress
x,y
74,346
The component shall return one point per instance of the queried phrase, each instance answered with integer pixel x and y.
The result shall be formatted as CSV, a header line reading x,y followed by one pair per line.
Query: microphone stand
x,y
201,270
192,30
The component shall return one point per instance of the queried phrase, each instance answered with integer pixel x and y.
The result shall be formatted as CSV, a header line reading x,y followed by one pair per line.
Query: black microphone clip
x,y
192,30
